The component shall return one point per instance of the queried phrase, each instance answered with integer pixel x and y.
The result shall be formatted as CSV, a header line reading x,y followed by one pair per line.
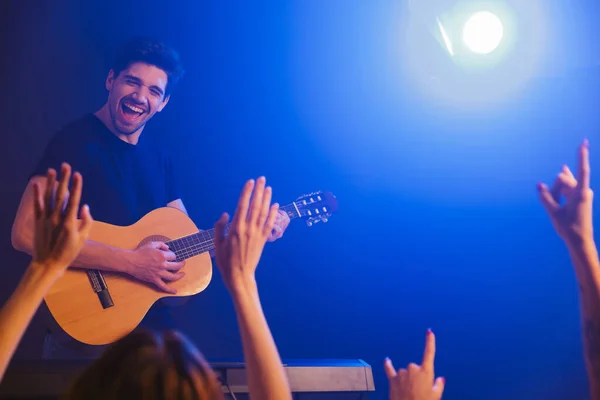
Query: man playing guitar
x,y
126,176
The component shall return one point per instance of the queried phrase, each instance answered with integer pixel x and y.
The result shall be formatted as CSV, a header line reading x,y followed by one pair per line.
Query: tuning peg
x,y
324,219
309,222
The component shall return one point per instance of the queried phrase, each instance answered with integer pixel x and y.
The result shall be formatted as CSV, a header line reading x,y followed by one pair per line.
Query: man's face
x,y
135,95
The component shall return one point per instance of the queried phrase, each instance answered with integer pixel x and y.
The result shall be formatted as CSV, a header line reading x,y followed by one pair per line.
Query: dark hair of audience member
x,y
149,366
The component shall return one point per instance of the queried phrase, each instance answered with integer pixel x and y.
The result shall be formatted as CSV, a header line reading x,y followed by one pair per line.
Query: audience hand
x,y
237,253
416,382
59,235
573,219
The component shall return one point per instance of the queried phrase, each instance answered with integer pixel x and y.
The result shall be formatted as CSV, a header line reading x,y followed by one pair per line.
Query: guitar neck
x,y
200,242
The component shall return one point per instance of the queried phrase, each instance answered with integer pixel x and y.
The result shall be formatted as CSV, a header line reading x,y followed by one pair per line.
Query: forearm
x,y
587,270
93,255
18,311
266,375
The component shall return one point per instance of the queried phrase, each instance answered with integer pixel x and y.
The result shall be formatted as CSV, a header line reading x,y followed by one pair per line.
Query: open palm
x,y
237,253
59,235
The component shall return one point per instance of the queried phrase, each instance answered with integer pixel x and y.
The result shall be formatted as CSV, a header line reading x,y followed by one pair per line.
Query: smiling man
x,y
125,176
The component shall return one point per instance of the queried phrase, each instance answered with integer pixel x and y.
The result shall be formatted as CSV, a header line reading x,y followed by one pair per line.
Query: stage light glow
x,y
486,50
483,32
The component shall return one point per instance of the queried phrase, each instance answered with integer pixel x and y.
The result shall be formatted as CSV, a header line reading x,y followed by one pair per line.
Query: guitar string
x,y
184,250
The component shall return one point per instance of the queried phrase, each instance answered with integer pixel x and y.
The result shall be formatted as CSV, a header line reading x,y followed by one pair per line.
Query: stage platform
x,y
309,379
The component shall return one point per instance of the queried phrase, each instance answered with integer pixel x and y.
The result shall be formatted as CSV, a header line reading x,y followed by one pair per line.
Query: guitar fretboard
x,y
200,242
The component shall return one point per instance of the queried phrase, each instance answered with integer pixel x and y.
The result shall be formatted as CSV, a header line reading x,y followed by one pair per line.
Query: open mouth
x,y
131,112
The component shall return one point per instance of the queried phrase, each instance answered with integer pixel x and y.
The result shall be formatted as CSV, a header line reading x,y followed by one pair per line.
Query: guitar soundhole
x,y
154,238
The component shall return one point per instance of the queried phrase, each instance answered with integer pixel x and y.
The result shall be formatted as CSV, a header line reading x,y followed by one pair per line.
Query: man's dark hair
x,y
153,52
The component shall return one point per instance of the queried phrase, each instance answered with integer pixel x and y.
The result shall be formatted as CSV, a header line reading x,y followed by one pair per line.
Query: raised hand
x,y
59,235
572,219
237,253
416,382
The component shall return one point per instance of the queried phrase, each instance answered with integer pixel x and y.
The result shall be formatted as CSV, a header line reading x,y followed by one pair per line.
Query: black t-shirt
x,y
121,182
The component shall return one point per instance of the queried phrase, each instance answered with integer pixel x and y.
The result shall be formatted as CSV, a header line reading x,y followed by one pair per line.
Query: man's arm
x,y
94,255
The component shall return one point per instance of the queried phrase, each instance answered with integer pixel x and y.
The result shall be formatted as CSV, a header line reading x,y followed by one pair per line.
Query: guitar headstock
x,y
313,207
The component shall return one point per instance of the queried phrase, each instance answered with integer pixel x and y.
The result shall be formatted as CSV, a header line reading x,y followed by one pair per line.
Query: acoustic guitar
x,y
99,307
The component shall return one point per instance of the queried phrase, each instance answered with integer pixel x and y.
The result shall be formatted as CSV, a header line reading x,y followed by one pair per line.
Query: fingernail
x,y
429,331
586,143
443,380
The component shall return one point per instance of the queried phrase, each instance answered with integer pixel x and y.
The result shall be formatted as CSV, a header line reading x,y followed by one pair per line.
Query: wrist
x,y
580,243
125,261
40,275
242,286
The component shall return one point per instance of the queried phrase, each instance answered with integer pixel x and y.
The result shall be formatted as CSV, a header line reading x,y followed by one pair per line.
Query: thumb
x,y
438,388
546,198
220,229
86,222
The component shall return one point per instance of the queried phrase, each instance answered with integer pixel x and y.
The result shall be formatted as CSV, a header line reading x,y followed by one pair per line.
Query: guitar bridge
x,y
99,286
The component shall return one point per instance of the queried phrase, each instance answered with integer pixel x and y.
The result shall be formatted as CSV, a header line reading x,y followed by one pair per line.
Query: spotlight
x,y
485,50
482,33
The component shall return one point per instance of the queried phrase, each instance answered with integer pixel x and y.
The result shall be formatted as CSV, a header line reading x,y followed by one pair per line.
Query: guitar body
x,y
98,308
76,306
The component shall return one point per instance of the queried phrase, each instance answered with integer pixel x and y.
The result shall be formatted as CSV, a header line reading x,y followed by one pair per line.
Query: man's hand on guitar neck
x,y
282,220
155,263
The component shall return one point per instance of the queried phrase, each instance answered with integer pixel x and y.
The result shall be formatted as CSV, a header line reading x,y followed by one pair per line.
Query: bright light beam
x,y
447,41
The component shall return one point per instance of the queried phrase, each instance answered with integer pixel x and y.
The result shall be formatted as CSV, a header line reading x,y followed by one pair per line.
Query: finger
x,y
413,368
276,233
562,183
169,255
174,266
438,388
257,198
86,222
49,195
61,192
429,352
161,246
547,199
285,218
583,171
402,374
265,206
270,223
74,197
164,287
171,276
38,202
220,226
567,171
390,371
241,211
